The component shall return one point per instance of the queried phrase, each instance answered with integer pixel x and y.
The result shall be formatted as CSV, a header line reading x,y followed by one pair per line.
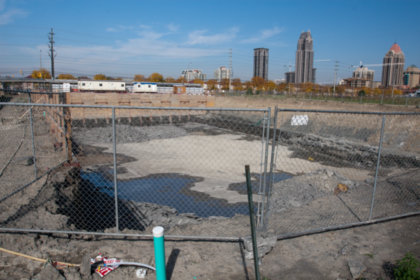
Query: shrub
x,y
407,268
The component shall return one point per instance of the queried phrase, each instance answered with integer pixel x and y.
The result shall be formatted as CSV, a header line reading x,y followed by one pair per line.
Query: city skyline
x,y
112,38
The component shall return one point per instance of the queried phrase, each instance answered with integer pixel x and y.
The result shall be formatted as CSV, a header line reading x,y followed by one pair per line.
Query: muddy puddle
x,y
174,190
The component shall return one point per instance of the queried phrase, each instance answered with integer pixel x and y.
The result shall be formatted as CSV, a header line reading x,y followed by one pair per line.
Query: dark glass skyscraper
x,y
261,63
393,67
304,71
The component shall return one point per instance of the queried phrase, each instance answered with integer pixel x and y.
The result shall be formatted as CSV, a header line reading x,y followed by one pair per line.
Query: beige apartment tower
x,y
393,67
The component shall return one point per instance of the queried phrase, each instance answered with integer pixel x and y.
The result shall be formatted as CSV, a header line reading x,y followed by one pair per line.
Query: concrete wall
x,y
132,99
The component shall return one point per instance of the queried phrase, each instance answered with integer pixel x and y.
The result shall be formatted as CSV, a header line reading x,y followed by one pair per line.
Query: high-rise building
x,y
289,77
304,71
261,63
362,77
393,67
412,76
193,74
222,73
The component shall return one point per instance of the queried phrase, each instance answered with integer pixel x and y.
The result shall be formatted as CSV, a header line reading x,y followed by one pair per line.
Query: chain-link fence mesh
x,y
132,168
135,168
328,165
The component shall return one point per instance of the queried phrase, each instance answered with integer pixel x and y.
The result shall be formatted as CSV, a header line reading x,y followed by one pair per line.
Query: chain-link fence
x,y
128,168
339,168
28,153
135,167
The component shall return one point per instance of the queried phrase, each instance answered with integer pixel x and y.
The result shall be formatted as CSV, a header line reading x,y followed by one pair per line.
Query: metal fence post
x,y
377,167
265,187
114,142
273,148
32,135
261,186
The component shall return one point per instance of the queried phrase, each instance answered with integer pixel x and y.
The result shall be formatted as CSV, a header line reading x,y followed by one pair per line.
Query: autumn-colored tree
x,y
169,80
198,81
307,87
224,83
247,85
258,82
211,84
398,92
181,79
139,78
281,87
155,78
367,90
340,89
237,84
269,85
377,91
66,77
42,73
100,77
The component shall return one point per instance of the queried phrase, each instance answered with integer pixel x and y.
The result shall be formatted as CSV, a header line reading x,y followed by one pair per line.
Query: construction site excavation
x,y
87,174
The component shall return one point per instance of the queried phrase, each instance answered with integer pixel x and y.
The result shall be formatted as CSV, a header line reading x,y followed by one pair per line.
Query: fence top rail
x,y
134,107
347,112
32,92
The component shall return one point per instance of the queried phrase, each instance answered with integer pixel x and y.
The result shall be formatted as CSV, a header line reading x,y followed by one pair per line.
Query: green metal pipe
x,y
159,244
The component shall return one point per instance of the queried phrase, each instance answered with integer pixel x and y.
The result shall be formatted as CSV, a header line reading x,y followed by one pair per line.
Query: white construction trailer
x,y
144,87
101,86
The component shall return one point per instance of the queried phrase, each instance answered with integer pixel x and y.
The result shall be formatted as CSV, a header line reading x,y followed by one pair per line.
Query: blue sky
x,y
123,38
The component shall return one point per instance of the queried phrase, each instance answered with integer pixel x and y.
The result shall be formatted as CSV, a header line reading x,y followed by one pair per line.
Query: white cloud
x,y
172,27
264,35
119,28
9,15
200,37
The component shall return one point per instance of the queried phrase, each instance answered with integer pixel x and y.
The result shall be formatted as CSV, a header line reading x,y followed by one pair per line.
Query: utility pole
x,y
40,59
230,69
335,75
52,52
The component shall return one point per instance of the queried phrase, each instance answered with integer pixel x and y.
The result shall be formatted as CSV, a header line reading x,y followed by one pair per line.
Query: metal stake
x,y
251,217
33,136
273,148
261,225
377,167
114,142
